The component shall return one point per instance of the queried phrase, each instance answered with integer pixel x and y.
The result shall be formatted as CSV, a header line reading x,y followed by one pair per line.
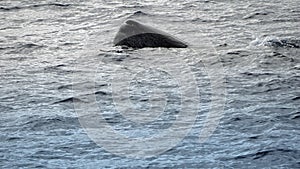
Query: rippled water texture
x,y
56,53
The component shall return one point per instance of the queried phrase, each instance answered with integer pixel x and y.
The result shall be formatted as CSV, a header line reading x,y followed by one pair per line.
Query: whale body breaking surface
x,y
137,35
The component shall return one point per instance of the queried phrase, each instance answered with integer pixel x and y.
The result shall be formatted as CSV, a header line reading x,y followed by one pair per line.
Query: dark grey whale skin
x,y
136,35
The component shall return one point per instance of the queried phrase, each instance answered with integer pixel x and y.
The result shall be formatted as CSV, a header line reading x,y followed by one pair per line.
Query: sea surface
x,y
59,72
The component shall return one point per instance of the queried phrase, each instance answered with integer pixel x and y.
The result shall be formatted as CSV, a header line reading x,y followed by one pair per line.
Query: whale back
x,y
137,35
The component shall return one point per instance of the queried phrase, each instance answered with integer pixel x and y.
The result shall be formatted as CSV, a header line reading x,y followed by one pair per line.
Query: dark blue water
x,y
60,73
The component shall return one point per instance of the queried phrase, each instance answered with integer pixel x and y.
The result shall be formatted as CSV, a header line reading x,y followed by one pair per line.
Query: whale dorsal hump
x,y
137,35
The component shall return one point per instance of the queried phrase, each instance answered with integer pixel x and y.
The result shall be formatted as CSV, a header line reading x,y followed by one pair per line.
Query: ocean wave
x,y
13,8
276,42
42,123
263,153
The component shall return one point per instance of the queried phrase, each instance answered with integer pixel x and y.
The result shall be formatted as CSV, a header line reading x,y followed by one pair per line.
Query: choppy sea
x,y
60,74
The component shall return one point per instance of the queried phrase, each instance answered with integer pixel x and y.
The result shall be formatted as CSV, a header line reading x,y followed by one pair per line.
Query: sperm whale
x,y
137,35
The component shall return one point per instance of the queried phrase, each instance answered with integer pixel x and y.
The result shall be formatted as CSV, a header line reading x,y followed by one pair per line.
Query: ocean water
x,y
60,72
